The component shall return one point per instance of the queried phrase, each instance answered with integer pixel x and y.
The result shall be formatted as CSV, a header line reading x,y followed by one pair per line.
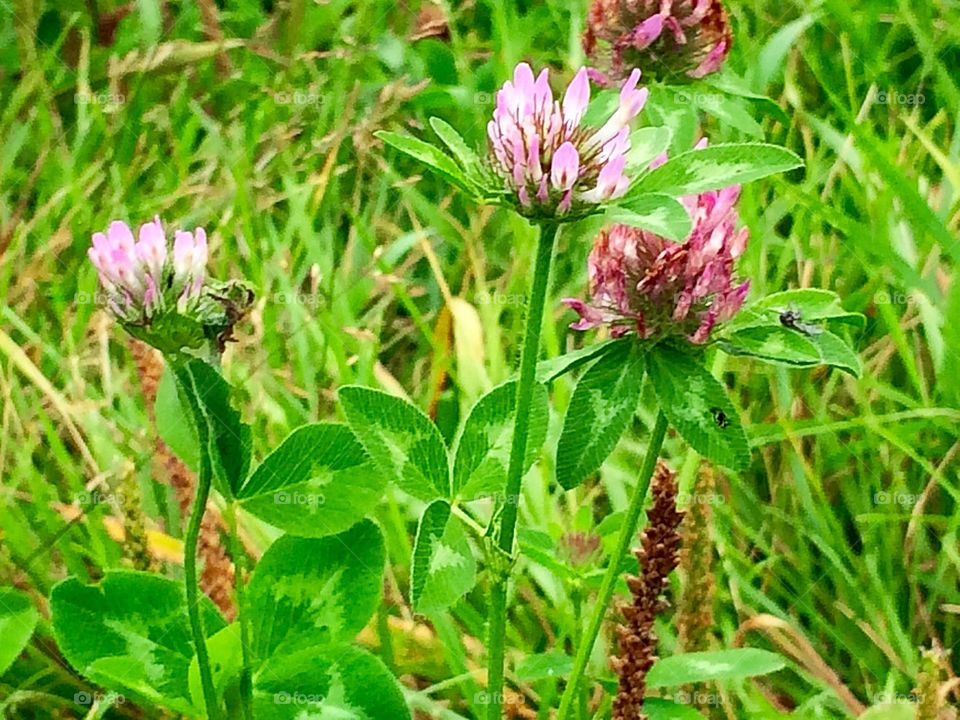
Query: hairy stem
x,y
189,398
627,534
578,597
518,451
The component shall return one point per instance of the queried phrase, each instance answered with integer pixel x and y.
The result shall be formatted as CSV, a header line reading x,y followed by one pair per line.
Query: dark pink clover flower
x,y
554,165
643,283
667,38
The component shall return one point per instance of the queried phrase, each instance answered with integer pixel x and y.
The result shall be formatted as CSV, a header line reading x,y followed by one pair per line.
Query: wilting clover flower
x,y
641,282
162,295
552,163
669,39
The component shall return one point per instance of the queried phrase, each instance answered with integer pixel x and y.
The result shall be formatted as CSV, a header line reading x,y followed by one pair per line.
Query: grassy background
x,y
846,526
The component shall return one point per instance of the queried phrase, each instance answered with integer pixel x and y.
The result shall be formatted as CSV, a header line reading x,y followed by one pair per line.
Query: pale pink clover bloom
x,y
546,156
138,275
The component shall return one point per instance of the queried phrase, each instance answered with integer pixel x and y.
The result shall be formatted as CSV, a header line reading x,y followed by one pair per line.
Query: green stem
x,y
627,534
578,597
518,451
239,564
386,640
189,397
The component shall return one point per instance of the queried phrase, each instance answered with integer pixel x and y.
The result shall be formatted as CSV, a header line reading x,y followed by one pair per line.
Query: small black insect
x,y
720,417
794,320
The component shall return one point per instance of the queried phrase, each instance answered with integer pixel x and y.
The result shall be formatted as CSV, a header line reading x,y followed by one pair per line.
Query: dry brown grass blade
x,y
791,642
440,363
169,56
22,362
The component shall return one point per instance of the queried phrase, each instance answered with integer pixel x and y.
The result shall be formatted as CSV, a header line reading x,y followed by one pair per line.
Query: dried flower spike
x,y
550,162
669,39
694,619
162,295
641,282
658,558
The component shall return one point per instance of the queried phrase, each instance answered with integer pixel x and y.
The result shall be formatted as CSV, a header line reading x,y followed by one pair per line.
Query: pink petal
x,y
120,235
98,264
647,32
565,167
523,84
183,252
631,99
623,184
543,191
200,252
712,62
151,249
674,26
519,162
590,317
524,196
534,168
619,144
699,12
542,94
631,103
702,333
576,99
610,177
732,302
738,243
150,294
598,78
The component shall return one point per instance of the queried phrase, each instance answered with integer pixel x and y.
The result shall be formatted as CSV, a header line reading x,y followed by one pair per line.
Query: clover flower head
x,y
643,283
140,276
667,38
161,294
552,163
